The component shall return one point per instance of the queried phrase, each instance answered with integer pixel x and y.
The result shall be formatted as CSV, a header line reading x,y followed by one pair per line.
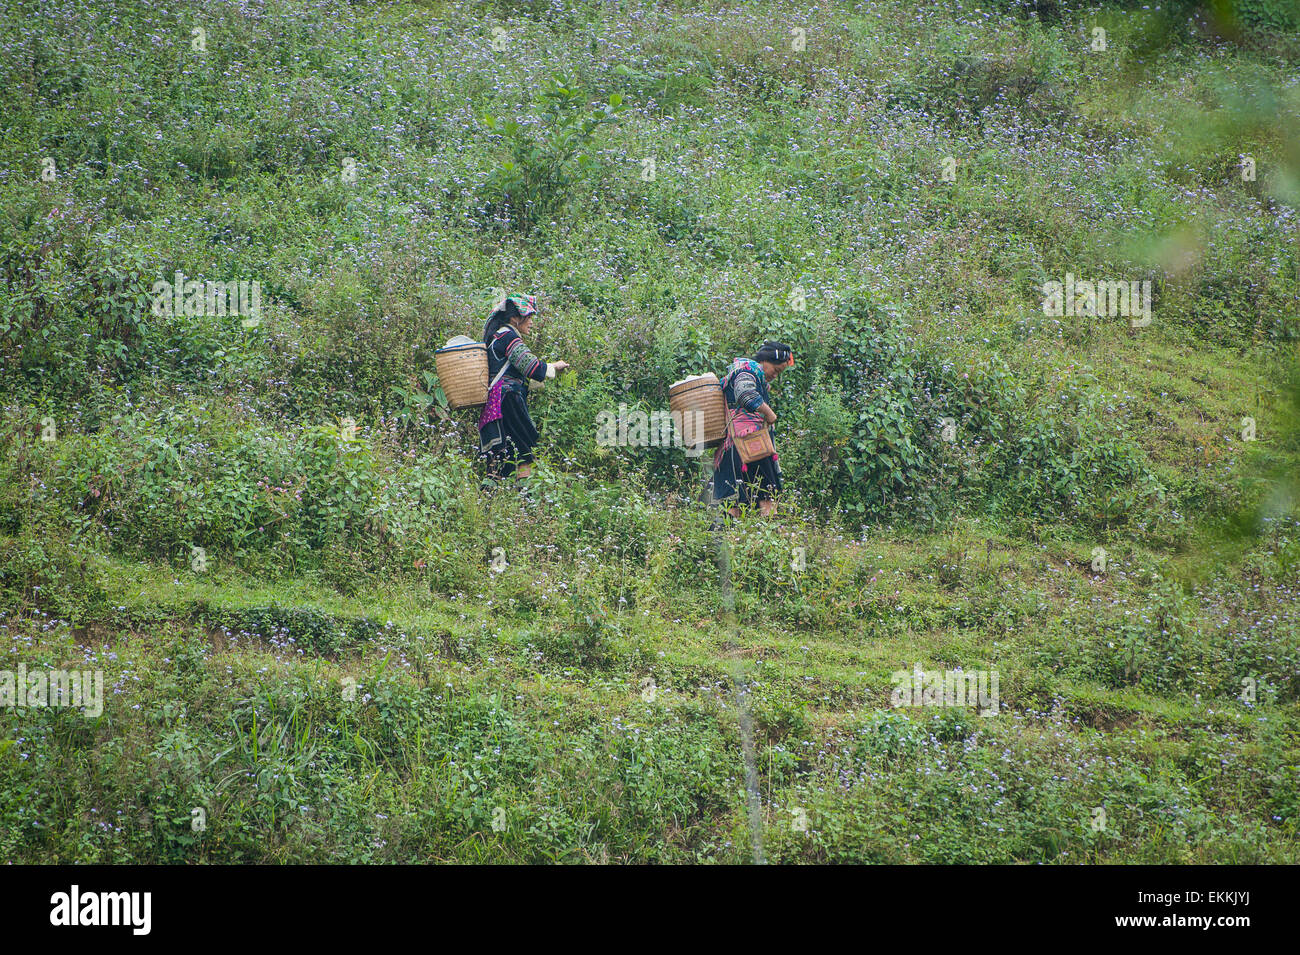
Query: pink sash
x,y
491,410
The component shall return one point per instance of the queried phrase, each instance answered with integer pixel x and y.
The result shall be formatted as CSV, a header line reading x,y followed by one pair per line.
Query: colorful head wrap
x,y
524,305
527,304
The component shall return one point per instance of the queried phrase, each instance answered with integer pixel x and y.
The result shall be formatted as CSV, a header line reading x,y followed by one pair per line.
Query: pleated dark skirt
x,y
509,441
759,481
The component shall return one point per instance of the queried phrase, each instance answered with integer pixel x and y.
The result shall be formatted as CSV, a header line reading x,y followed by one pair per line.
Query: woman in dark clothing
x,y
745,390
507,434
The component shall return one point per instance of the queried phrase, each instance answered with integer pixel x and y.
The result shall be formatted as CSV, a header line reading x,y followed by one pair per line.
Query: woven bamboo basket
x,y
463,374
699,400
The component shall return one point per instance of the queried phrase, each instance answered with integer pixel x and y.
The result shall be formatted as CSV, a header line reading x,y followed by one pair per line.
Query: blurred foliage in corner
x,y
1272,485
1230,19
1249,109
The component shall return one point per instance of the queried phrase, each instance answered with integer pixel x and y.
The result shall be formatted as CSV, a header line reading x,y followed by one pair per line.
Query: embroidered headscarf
x,y
526,304
510,305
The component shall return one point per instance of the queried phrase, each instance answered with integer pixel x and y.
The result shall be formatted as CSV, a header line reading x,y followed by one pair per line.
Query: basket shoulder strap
x,y
505,366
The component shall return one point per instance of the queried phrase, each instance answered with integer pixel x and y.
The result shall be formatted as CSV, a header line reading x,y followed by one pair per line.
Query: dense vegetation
x,y
334,644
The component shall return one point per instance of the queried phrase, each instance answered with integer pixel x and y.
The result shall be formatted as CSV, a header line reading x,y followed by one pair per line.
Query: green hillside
x,y
323,640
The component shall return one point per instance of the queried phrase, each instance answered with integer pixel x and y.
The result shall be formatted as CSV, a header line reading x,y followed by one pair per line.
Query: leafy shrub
x,y
585,640
1280,15
73,306
365,333
531,182
889,735
41,571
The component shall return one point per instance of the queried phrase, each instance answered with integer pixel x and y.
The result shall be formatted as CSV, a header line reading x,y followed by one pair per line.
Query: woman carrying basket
x,y
507,434
748,407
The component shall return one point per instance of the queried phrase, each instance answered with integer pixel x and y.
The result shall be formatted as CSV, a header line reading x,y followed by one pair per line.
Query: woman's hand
x,y
768,414
560,366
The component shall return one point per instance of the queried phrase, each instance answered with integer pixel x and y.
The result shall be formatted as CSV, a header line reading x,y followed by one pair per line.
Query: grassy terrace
x,y
320,646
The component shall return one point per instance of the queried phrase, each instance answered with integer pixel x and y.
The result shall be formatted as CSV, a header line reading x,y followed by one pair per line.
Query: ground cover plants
x,y
323,640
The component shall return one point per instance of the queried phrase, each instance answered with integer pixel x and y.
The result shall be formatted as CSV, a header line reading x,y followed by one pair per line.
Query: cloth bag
x,y
750,436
